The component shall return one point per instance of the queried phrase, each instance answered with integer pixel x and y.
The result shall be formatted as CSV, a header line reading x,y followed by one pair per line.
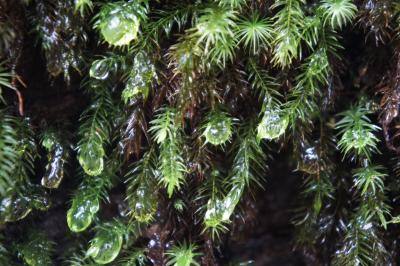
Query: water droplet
x,y
82,212
218,128
91,158
119,24
100,69
272,125
106,245
143,204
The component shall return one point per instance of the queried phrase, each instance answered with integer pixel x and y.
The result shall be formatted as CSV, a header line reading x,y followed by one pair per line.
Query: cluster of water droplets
x,y
34,250
62,36
220,210
16,207
139,82
143,203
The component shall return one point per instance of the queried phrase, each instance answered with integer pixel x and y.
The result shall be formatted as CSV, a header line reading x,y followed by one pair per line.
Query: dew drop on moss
x,y
119,25
272,125
91,158
81,213
55,168
106,245
99,70
218,128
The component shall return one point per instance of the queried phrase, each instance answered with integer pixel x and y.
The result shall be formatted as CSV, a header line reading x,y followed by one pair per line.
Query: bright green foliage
x,y
247,167
183,255
83,5
369,178
288,24
314,74
218,128
338,12
166,132
36,250
107,243
167,84
362,235
214,31
233,4
357,133
254,32
119,22
141,180
94,132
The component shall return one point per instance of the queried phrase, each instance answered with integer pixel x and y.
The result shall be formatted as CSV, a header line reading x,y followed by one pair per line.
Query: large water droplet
x,y
91,158
272,125
119,24
100,69
218,128
106,245
82,212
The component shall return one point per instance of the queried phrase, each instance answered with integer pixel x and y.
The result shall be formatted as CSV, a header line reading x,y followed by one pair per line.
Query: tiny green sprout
x,y
48,140
179,205
119,22
369,179
107,243
273,124
338,13
183,255
357,133
218,128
